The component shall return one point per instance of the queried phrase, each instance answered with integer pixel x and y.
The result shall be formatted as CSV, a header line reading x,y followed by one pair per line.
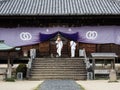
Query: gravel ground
x,y
59,85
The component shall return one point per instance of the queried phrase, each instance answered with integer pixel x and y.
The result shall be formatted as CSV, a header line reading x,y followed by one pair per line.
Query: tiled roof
x,y
59,7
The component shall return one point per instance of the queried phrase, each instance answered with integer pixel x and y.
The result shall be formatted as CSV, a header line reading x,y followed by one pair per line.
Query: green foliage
x,y
22,68
10,79
82,88
37,88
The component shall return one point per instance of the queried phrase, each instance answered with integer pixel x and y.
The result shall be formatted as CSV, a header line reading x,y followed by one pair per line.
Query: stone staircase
x,y
58,68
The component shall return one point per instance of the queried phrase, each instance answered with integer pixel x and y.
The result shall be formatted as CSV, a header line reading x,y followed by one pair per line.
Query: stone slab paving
x,y
59,85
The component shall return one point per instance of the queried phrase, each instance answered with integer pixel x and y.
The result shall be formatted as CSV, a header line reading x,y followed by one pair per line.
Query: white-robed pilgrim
x,y
59,46
73,47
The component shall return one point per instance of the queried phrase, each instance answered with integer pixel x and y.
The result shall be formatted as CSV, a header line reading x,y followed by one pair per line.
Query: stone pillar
x,y
9,70
112,76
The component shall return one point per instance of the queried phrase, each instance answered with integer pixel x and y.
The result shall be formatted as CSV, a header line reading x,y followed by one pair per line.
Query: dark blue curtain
x,y
73,36
45,37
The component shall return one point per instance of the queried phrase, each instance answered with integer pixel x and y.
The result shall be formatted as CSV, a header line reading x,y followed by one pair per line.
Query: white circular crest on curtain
x,y
91,35
25,36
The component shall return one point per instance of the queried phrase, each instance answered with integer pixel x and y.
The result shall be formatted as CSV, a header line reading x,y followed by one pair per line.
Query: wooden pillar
x,y
93,65
113,63
98,48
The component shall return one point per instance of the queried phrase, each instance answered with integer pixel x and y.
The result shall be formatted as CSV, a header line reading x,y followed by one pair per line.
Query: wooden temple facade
x,y
64,13
45,49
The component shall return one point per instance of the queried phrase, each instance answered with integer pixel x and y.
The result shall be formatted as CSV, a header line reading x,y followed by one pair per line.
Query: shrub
x,y
10,79
22,68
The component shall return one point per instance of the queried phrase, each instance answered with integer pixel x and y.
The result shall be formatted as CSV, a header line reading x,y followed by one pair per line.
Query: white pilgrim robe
x,y
73,47
59,47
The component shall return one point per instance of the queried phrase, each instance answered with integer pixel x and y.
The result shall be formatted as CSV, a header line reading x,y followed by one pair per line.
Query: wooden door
x,y
44,49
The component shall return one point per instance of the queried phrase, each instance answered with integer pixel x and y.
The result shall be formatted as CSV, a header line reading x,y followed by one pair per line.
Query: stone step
x,y
64,62
58,72
56,65
74,77
57,62
56,75
58,68
59,59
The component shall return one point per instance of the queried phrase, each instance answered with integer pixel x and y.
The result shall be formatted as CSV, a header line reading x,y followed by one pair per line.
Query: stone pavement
x,y
59,85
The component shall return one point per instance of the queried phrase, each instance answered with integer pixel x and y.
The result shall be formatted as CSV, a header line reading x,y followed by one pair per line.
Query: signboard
x,y
101,71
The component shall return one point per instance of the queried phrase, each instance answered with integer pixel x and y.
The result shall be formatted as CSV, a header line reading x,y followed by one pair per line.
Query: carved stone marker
x,y
112,75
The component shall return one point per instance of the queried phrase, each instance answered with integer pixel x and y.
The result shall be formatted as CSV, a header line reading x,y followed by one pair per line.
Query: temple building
x,y
35,24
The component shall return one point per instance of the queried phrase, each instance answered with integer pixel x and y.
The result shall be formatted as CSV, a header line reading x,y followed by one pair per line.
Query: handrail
x,y
86,60
30,63
29,67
